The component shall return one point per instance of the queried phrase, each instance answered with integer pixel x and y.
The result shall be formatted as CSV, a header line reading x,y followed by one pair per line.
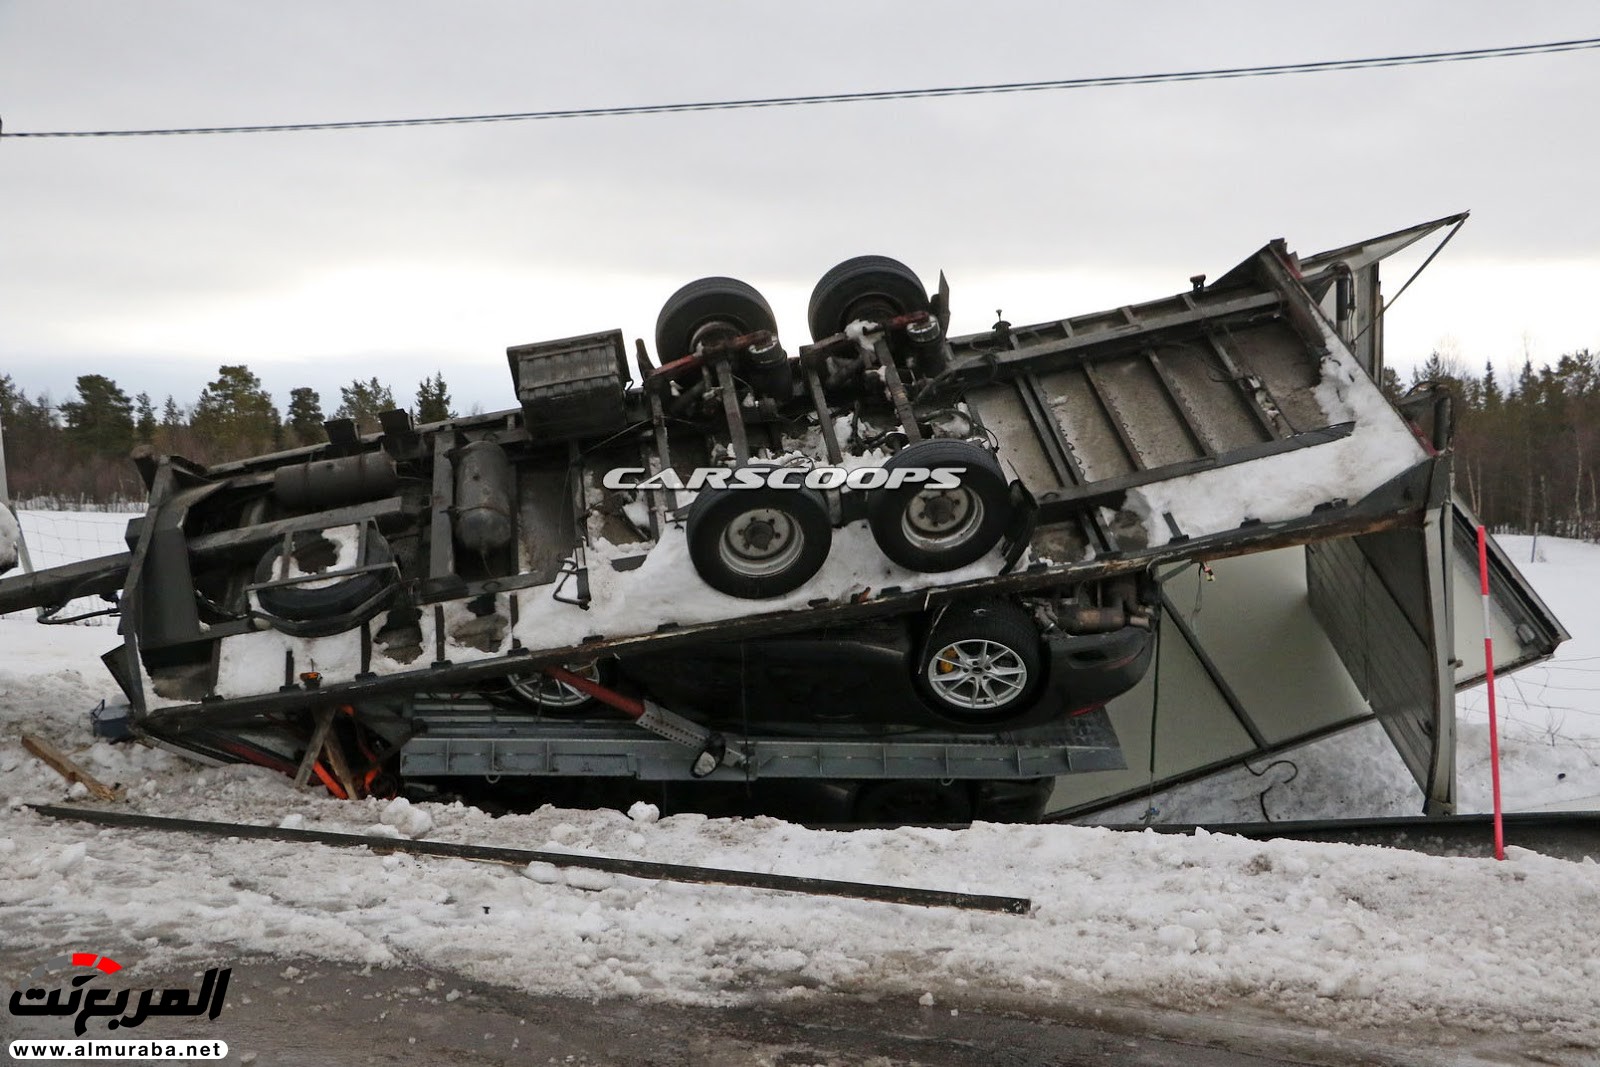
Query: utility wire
x,y
1215,74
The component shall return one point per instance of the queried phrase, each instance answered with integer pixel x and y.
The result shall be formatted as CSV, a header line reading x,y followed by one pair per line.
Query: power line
x,y
1109,81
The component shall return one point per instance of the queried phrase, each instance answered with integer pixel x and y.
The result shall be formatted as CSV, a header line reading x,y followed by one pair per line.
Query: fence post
x,y
5,495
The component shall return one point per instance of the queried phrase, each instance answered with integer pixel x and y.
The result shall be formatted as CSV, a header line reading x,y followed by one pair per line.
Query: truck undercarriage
x,y
892,556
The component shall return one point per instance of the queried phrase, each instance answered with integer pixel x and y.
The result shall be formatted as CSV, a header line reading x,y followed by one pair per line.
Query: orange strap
x,y
328,780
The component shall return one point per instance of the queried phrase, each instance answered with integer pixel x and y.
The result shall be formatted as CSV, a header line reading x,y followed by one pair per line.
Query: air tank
x,y
484,489
330,483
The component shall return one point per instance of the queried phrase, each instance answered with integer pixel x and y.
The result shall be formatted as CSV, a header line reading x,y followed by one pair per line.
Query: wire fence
x,y
54,538
1528,710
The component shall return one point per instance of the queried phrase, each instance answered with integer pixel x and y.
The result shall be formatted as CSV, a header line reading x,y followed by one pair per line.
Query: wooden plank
x,y
58,762
319,735
333,751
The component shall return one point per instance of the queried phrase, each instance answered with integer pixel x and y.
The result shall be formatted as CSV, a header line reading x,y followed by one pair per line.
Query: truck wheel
x,y
930,530
982,664
758,543
866,287
709,309
329,602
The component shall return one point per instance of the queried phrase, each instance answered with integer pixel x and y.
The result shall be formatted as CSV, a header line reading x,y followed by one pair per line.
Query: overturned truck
x,y
913,566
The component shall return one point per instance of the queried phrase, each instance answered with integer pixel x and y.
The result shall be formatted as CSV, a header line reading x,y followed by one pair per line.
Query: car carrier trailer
x,y
891,555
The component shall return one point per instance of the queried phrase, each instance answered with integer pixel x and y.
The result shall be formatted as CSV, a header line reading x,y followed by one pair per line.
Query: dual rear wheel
x,y
759,543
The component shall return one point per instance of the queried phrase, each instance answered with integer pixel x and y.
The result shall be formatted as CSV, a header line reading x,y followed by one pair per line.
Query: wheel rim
x,y
940,518
977,674
760,542
548,692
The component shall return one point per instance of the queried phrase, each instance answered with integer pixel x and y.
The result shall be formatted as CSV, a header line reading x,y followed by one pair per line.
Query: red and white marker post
x,y
1488,662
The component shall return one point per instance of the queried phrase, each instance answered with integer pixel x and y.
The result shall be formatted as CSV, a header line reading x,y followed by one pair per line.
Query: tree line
x,y
76,451
1527,444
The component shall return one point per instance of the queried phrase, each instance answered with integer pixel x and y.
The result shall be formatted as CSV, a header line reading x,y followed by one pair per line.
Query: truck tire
x,y
727,302
318,607
934,530
872,287
982,664
758,543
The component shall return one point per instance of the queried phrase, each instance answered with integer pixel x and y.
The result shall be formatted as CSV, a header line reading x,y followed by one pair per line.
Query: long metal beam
x,y
520,857
1136,335
1055,503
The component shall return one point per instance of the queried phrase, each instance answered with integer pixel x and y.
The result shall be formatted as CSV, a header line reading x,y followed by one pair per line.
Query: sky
x,y
321,257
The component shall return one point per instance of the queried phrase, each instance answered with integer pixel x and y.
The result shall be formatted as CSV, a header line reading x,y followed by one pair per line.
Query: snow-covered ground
x,y
1549,714
1321,935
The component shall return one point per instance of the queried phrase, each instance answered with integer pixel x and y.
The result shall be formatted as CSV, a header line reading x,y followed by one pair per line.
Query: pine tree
x,y
29,425
100,421
433,399
10,398
305,416
235,415
144,430
362,401
1493,395
1444,368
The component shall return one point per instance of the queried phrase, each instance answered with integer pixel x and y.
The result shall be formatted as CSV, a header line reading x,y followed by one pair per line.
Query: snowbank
x,y
1326,935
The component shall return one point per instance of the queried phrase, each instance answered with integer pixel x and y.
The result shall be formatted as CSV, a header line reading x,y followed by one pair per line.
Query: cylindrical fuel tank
x,y
327,483
484,491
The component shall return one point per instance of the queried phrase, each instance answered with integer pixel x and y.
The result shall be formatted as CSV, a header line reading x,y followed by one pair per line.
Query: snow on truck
x,y
916,565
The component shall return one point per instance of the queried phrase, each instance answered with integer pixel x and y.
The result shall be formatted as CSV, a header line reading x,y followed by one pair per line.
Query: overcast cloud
x,y
319,257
